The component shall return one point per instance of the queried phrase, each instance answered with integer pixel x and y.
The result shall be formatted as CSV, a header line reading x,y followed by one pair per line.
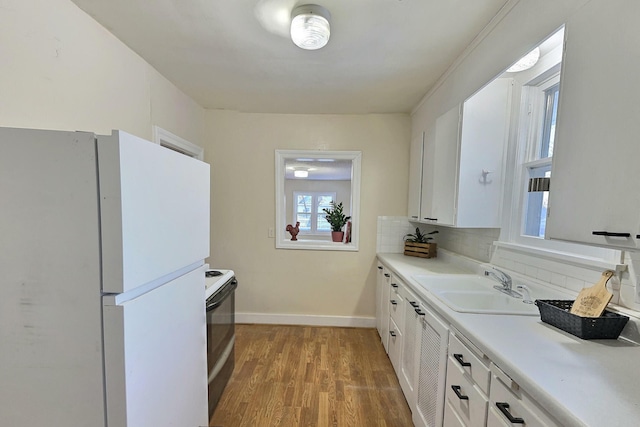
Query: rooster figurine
x,y
293,230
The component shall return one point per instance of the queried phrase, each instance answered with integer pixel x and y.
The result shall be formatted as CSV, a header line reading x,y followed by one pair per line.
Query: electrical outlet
x,y
271,232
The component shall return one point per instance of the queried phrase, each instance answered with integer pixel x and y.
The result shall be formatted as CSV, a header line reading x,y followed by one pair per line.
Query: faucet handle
x,y
526,298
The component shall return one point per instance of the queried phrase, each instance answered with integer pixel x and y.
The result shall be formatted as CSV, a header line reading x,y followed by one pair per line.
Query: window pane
x,y
324,202
323,225
304,203
536,205
551,96
305,221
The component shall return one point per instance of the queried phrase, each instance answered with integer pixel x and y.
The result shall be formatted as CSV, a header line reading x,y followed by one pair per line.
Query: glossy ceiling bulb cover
x,y
526,62
310,27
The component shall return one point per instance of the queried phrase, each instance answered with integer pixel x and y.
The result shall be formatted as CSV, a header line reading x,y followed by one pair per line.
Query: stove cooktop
x,y
214,278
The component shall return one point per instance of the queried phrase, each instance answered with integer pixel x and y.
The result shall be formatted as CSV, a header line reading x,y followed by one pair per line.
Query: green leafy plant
x,y
419,237
335,217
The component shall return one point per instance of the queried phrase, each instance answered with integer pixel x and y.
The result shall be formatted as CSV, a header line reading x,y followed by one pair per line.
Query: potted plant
x,y
420,245
336,219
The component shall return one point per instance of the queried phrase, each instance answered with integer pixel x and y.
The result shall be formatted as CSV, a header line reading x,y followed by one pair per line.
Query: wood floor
x,y
311,376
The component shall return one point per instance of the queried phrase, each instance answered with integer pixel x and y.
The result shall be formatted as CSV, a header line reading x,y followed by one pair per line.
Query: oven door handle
x,y
218,298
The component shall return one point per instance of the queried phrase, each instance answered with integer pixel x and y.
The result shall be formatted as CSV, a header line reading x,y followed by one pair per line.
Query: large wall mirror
x,y
306,183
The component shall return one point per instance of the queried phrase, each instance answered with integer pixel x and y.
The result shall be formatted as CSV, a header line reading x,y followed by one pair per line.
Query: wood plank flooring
x,y
311,376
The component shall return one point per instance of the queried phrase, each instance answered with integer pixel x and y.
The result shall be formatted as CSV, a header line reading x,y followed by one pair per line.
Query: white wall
x,y
59,69
241,151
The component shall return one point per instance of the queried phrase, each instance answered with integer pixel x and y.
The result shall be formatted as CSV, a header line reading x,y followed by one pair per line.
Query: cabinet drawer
x,y
495,419
513,406
477,367
395,345
451,419
464,396
396,301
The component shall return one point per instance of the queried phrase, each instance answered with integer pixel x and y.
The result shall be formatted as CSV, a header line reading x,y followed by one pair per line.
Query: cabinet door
x,y
595,162
445,169
395,345
485,126
415,177
384,304
432,371
379,287
408,376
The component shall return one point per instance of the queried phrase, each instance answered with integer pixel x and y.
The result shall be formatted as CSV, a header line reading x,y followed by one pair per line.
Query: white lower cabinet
x,y
395,345
451,418
379,287
467,384
510,405
429,409
383,324
410,358
446,379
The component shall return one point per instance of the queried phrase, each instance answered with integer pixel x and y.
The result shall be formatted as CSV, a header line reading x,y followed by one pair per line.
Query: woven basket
x,y
556,313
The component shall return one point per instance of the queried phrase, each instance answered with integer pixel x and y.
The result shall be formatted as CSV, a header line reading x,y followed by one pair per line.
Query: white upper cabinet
x,y
463,164
415,177
595,175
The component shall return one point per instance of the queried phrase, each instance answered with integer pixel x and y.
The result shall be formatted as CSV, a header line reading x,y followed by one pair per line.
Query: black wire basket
x,y
556,313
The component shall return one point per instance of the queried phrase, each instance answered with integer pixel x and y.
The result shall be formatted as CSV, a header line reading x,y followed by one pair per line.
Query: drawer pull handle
x,y
610,234
458,357
379,267
456,390
419,313
414,304
394,285
392,333
504,408
386,275
431,219
394,302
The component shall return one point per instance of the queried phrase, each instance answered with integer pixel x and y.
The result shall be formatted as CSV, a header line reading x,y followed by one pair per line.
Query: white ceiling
x,y
383,55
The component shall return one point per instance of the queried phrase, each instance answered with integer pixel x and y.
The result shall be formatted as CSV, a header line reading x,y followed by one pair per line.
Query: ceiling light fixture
x,y
526,62
301,173
310,27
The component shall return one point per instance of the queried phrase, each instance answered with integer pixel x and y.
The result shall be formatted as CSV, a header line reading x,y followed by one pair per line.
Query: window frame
x,y
282,206
314,213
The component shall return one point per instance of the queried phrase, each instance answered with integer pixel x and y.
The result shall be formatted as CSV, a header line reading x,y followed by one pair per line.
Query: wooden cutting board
x,y
592,301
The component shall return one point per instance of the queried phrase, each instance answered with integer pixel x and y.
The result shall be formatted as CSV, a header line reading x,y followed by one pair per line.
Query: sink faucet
x,y
505,281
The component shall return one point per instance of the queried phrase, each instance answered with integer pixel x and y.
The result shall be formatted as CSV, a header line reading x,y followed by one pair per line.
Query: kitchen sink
x,y
489,302
468,293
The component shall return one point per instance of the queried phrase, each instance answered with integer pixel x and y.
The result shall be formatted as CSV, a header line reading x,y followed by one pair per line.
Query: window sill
x,y
596,264
316,245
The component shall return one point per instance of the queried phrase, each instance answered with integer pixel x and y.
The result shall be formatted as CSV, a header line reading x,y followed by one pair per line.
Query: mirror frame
x,y
281,203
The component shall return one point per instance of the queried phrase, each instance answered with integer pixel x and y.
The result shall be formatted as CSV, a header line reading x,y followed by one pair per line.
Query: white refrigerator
x,y
102,247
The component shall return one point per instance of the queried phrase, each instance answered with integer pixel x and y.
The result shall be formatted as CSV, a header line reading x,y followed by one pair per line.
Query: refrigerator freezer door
x,y
155,357
154,206
50,309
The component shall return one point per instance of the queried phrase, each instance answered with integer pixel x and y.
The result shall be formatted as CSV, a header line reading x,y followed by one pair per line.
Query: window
x,y
540,153
308,211
306,181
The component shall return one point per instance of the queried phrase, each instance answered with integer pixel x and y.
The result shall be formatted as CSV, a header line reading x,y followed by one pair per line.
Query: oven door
x,y
220,340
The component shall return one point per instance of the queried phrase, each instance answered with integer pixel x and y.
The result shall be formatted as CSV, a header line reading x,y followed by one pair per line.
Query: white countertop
x,y
580,382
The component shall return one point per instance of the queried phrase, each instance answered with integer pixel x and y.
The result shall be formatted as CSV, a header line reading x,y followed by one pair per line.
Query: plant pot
x,y
421,250
337,236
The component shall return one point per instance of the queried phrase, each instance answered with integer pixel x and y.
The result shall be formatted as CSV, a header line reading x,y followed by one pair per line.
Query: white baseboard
x,y
303,319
